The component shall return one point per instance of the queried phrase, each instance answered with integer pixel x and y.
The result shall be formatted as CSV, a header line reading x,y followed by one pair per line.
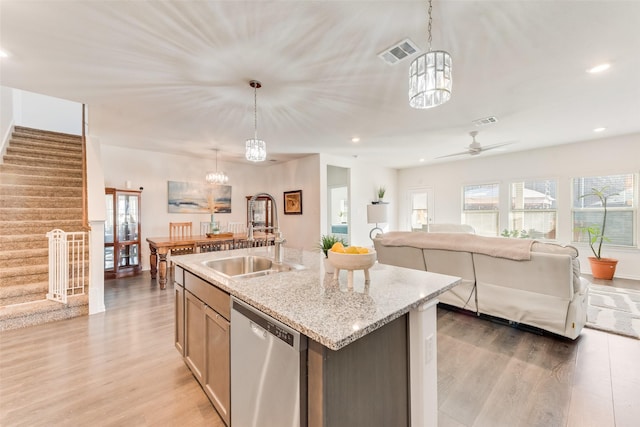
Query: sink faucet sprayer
x,y
279,240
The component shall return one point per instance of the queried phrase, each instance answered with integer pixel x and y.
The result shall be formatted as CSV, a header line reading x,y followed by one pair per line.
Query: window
x,y
621,207
533,208
480,208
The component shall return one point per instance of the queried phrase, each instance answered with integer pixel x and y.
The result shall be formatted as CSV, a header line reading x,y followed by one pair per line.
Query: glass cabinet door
x,y
122,233
127,218
108,224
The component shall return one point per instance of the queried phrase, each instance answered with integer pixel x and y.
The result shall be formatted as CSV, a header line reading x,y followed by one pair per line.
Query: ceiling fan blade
x,y
454,154
494,146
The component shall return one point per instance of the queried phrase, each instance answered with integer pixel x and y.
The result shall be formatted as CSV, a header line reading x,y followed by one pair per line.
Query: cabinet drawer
x,y
215,298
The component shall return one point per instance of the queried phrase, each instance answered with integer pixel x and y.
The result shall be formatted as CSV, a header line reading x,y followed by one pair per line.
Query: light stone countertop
x,y
314,304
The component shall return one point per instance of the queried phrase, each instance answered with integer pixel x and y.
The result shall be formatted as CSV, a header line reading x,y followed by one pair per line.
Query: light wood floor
x,y
120,368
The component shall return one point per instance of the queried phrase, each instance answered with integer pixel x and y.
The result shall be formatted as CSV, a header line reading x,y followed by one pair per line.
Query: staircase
x,y
40,190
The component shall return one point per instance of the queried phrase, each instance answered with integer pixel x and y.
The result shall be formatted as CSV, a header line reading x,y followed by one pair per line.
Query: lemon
x,y
337,247
363,250
352,250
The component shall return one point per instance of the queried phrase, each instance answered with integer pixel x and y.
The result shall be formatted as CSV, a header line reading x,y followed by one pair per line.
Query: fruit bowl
x,y
351,262
344,261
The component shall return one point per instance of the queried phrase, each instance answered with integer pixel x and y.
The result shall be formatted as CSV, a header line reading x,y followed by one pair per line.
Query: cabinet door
x,y
217,383
179,324
194,345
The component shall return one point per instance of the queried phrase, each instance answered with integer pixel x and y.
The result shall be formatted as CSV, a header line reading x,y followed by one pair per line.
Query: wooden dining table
x,y
159,247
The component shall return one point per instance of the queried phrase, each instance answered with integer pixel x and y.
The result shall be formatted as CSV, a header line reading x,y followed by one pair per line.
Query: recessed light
x,y
421,160
599,129
599,68
355,139
3,54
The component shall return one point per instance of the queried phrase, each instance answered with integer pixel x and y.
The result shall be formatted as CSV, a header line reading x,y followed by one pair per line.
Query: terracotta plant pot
x,y
603,268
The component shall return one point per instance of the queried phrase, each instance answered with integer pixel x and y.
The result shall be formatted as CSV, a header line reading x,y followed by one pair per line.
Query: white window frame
x,y
578,237
496,211
552,234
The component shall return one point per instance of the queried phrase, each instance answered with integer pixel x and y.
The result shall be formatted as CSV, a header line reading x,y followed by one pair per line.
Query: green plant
x,y
381,192
596,231
522,234
327,242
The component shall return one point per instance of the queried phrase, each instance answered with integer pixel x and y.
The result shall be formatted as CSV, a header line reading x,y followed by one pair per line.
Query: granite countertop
x,y
314,304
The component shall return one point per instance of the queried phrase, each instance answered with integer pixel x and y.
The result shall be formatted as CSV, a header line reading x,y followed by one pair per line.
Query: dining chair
x,y
236,227
181,230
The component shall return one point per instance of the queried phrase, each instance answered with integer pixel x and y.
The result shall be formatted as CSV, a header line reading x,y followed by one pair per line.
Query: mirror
x,y
338,214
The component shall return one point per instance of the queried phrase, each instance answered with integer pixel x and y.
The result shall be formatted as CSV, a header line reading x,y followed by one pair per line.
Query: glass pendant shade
x,y
256,150
217,178
430,79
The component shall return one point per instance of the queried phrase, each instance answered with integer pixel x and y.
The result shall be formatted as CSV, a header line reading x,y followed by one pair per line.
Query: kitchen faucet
x,y
279,240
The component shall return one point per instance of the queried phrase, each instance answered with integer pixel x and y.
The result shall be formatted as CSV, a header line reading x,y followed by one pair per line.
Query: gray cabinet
x,y
207,340
217,375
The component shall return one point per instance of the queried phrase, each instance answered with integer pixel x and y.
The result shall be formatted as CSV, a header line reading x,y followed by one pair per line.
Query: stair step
x,y
38,227
10,295
40,181
35,153
28,161
23,253
30,214
46,145
40,312
7,201
12,276
75,172
45,135
39,191
25,241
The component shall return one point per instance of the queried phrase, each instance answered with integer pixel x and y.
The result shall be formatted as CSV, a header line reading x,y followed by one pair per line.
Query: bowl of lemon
x,y
351,258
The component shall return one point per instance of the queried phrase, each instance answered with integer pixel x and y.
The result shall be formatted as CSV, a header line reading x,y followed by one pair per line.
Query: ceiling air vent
x,y
485,121
398,52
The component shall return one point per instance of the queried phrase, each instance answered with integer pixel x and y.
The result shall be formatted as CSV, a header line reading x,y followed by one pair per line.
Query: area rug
x,y
614,310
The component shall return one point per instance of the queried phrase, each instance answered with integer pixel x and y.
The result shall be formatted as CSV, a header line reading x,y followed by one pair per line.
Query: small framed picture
x,y
293,202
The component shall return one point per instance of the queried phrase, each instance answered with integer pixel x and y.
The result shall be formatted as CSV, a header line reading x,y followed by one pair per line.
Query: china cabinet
x,y
122,233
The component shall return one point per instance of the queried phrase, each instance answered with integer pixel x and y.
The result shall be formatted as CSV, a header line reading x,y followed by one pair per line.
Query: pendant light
x,y
217,177
256,149
430,76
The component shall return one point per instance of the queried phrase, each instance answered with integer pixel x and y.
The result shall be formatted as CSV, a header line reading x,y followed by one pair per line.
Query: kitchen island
x,y
371,354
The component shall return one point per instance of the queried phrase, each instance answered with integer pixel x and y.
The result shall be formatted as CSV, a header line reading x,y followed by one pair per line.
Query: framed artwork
x,y
293,202
197,197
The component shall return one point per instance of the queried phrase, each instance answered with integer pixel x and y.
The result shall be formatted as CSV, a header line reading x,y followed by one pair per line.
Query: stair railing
x,y
67,253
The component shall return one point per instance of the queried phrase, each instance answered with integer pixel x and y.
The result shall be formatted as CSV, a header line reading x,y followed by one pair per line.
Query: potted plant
x,y
326,243
601,268
381,191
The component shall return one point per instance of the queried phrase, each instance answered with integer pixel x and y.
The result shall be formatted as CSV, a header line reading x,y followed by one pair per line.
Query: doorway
x,y
338,212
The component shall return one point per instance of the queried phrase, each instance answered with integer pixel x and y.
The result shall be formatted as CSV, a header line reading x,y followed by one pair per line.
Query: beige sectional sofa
x,y
520,280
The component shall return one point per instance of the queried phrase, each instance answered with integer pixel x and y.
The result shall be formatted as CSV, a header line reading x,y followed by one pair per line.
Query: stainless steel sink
x,y
248,266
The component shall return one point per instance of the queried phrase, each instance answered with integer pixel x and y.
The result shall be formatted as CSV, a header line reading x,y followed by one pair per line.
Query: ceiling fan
x,y
475,148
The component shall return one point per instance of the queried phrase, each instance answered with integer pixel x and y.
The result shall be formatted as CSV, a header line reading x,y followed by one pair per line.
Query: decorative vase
x,y
603,268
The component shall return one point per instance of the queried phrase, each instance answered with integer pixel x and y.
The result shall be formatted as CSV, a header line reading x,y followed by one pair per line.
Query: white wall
x,y
47,113
364,181
588,158
6,117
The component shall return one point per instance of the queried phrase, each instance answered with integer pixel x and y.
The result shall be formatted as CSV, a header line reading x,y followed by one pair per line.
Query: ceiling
x,y
174,76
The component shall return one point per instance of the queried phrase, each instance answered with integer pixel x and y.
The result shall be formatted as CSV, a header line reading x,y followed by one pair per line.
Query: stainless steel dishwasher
x,y
268,370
